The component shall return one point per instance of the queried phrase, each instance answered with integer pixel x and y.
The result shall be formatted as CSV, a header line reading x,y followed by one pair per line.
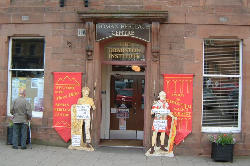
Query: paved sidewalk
x,y
41,155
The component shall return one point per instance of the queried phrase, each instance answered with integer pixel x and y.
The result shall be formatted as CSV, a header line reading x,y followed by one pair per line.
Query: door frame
x,y
93,80
105,125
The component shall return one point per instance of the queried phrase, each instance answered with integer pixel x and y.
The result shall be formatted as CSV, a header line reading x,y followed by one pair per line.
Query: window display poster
x,y
122,124
38,104
40,88
18,83
34,82
34,93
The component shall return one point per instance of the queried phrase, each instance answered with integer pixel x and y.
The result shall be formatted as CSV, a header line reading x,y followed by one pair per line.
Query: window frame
x,y
37,115
216,129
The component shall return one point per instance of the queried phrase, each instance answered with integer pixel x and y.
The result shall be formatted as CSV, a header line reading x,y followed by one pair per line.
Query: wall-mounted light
x,y
136,68
86,3
61,2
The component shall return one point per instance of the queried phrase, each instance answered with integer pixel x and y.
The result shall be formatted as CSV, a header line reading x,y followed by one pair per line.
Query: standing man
x,y
21,111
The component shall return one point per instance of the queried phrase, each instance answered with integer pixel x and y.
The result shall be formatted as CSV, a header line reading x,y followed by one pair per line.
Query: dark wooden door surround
x,y
92,74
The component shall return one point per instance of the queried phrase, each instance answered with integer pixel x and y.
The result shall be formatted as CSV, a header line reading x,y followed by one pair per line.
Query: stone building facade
x,y
182,35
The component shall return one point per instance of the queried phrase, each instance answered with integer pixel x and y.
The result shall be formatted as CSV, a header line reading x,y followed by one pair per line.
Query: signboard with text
x,y
76,140
67,90
83,111
108,30
160,125
122,113
124,51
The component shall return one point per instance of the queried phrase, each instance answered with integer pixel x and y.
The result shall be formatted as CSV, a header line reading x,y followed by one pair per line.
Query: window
x,y
221,86
26,71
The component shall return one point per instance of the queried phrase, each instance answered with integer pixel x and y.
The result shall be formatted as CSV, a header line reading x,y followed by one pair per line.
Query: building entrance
x,y
127,107
123,82
122,105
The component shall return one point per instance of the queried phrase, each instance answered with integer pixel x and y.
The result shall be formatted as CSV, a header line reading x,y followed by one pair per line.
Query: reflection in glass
x,y
27,54
142,97
220,99
124,92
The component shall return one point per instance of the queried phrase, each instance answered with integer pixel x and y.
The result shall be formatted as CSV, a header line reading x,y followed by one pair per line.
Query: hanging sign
x,y
122,113
67,90
179,89
108,30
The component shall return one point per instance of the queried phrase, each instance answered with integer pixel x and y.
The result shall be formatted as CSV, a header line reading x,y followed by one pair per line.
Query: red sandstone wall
x,y
181,52
189,22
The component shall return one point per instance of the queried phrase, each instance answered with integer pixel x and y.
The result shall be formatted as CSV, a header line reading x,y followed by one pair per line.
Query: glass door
x,y
127,107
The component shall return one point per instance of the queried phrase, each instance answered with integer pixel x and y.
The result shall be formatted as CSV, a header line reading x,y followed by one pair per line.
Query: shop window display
x,y
26,70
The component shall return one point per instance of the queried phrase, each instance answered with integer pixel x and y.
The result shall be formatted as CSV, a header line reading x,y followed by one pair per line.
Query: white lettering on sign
x,y
76,140
83,111
108,30
160,124
123,33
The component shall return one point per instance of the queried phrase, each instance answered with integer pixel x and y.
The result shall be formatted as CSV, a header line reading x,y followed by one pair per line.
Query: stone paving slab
x,y
41,155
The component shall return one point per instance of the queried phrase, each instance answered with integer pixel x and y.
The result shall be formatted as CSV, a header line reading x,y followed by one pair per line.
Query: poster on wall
x,y
34,93
179,89
67,90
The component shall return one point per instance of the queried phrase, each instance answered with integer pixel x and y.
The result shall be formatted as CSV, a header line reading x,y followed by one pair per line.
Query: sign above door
x,y
109,30
124,51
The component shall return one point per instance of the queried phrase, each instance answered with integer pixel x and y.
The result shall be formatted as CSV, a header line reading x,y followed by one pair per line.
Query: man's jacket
x,y
21,110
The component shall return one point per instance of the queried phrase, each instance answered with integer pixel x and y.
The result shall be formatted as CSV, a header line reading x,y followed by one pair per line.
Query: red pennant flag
x,y
67,90
179,89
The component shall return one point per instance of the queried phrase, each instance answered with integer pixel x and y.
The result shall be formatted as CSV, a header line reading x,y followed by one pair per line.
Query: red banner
x,y
67,90
179,89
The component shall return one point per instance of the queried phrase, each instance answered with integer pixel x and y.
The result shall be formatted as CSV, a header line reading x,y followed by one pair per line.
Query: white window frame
x,y
217,129
34,115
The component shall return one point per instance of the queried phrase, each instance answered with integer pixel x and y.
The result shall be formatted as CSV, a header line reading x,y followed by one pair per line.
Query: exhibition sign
x,y
67,90
179,89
